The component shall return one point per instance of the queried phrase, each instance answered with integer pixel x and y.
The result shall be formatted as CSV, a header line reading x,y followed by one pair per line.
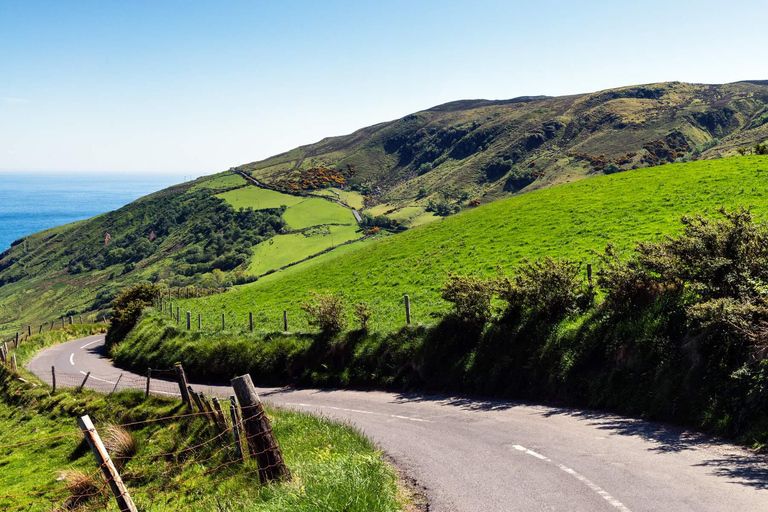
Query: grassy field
x,y
284,249
333,466
571,221
258,198
316,212
221,181
348,197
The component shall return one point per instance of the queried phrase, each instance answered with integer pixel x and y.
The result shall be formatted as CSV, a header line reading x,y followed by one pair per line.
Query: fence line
x,y
226,458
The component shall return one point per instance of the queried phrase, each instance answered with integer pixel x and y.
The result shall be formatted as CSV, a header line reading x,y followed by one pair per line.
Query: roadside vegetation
x,y
674,331
334,467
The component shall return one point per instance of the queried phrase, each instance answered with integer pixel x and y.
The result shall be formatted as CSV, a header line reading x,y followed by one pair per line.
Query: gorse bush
x,y
127,307
471,296
549,288
326,312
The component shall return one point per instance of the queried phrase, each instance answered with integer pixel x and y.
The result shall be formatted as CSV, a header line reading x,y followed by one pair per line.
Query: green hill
x,y
485,150
571,220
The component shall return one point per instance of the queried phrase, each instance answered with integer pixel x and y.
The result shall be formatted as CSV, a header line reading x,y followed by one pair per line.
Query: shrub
x,y
126,309
363,314
626,284
471,296
82,489
422,193
547,287
326,312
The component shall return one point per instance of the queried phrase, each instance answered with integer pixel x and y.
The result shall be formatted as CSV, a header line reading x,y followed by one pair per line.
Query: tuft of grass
x,y
83,489
120,444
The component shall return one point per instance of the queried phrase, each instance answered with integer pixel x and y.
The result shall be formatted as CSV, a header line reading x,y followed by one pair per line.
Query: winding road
x,y
488,455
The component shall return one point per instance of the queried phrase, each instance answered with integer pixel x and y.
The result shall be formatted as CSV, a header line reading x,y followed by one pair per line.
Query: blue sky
x,y
194,87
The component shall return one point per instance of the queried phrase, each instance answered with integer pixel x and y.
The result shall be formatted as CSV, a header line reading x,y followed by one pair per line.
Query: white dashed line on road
x,y
589,483
360,412
89,344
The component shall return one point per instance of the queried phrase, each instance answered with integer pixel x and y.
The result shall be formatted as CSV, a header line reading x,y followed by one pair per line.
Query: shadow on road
x,y
751,470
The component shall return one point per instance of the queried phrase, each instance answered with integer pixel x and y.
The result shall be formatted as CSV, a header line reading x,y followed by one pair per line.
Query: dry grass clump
x,y
82,488
120,444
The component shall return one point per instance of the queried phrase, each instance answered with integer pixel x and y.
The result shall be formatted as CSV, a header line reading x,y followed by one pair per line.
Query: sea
x,y
30,202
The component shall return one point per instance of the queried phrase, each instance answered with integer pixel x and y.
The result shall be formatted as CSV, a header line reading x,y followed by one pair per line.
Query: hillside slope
x,y
480,149
572,220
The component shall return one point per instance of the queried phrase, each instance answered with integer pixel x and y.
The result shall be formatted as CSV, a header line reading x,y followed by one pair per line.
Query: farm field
x,y
258,198
315,212
284,249
572,220
222,181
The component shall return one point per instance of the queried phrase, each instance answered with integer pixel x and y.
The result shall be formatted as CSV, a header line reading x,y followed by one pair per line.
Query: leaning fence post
x,y
123,499
219,413
84,381
261,441
51,325
149,380
41,329
2,354
53,378
182,379
116,383
235,425
198,402
407,310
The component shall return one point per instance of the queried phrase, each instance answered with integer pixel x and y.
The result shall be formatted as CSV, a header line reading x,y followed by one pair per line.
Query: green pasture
x,y
572,220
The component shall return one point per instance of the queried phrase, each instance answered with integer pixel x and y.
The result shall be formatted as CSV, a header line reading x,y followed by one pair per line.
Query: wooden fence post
x,y
589,273
407,310
178,315
149,380
2,354
182,379
235,425
15,368
29,331
16,342
285,320
123,499
51,325
116,383
223,322
41,329
219,413
250,321
199,321
189,320
53,378
81,319
198,402
70,321
84,381
62,322
261,441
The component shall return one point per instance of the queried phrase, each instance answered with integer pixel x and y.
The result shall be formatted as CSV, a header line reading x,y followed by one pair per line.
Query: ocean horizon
x,y
31,202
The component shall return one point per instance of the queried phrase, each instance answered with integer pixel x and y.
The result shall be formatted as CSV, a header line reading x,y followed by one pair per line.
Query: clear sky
x,y
194,87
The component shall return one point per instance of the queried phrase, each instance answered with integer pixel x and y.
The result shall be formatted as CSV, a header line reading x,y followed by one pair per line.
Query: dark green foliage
x,y
326,312
546,288
127,307
518,179
471,296
381,222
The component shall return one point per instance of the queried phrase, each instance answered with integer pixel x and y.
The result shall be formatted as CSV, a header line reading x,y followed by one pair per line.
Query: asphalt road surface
x,y
488,455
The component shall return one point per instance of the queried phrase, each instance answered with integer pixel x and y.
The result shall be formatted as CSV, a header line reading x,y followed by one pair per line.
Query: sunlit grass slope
x,y
567,221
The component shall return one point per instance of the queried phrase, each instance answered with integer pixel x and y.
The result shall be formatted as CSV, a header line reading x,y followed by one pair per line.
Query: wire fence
x,y
233,449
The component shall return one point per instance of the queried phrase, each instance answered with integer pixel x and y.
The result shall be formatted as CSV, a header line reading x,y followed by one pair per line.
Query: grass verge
x,y
334,466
